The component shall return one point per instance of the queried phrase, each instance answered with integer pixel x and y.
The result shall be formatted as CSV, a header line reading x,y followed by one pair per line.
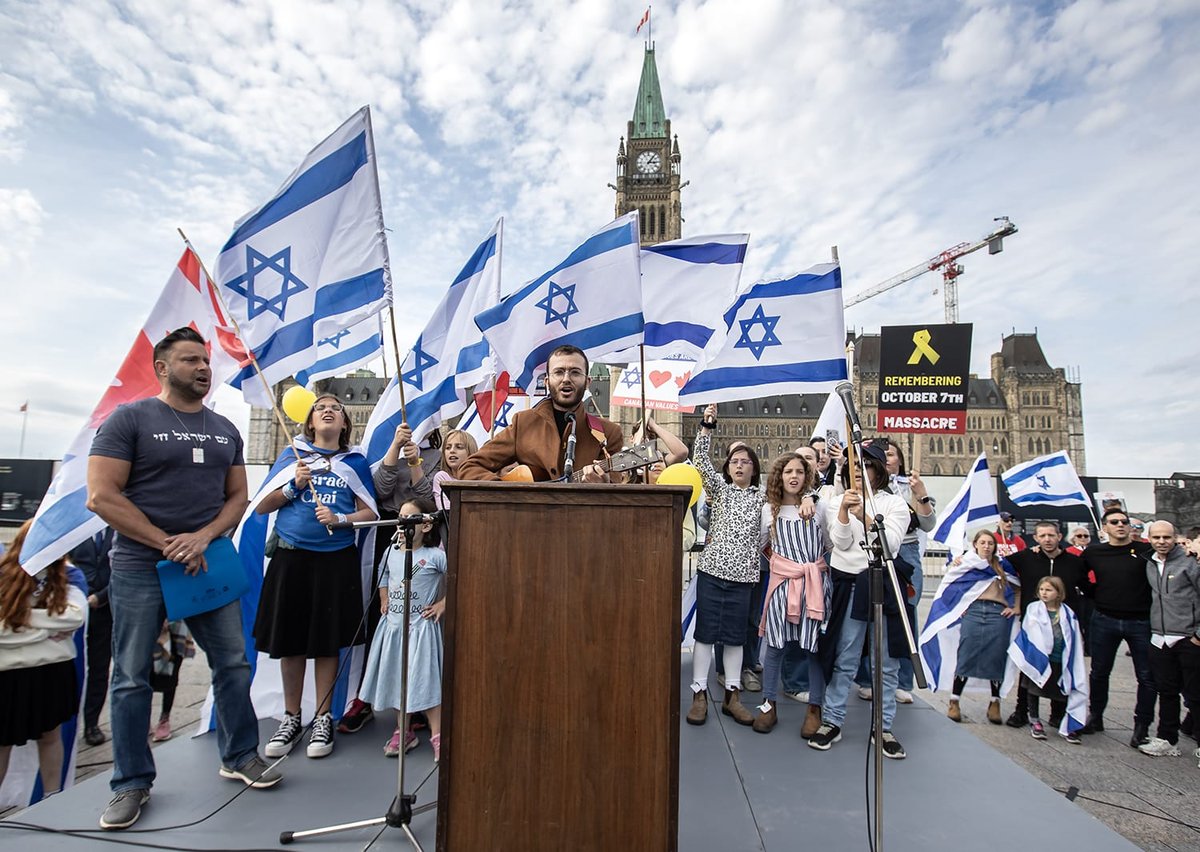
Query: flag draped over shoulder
x,y
591,300
973,506
22,785
686,285
63,519
1047,481
785,336
449,357
311,262
266,689
1029,654
960,586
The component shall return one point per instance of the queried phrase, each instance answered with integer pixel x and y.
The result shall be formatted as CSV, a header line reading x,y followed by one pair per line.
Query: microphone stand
x,y
880,563
569,456
403,808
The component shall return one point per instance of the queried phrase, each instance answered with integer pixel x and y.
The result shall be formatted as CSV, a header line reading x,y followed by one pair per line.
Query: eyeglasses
x,y
331,407
562,373
1118,522
740,462
1082,535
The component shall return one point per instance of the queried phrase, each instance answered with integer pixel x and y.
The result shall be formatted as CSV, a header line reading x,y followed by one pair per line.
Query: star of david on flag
x,y
591,300
1046,480
569,308
449,358
345,350
309,263
790,338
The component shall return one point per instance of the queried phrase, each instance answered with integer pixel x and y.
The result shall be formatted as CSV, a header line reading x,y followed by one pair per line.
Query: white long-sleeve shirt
x,y
848,556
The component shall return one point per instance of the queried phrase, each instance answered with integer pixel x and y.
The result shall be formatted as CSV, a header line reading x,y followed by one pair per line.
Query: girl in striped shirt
x,y
798,591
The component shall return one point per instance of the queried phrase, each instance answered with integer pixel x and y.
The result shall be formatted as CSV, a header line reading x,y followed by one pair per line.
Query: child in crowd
x,y
38,682
1049,654
421,650
798,591
457,446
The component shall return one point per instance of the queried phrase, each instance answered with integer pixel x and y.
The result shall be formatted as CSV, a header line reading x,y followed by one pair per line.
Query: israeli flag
x,y
781,337
686,284
309,263
961,585
345,350
449,357
973,506
591,300
266,688
1029,654
1045,481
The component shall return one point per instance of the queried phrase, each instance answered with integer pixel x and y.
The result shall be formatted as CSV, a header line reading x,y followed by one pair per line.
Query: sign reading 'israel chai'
x,y
923,376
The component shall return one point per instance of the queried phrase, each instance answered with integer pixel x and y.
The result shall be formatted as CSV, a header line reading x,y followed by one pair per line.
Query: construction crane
x,y
948,263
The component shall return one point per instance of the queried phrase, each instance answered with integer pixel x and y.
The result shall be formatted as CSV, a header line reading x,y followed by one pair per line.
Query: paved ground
x,y
1145,799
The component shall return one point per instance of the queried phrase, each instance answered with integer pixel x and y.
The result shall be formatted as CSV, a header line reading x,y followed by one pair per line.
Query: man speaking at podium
x,y
539,438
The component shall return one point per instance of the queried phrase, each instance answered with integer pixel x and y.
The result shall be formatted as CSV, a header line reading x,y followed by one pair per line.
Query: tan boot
x,y
766,719
733,707
812,721
953,712
699,709
994,712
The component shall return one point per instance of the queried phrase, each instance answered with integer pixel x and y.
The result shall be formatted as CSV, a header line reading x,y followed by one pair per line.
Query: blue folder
x,y
224,581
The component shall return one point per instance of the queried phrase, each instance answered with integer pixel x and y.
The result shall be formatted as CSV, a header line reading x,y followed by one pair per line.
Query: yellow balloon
x,y
297,402
682,474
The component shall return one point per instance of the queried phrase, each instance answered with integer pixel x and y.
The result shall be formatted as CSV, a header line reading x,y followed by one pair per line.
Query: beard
x,y
193,390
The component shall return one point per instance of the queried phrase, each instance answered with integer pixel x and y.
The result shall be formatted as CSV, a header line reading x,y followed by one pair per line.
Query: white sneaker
x,y
903,696
865,693
801,697
1158,747
320,739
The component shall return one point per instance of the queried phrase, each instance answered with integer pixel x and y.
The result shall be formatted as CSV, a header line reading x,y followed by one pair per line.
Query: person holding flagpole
x,y
311,604
167,474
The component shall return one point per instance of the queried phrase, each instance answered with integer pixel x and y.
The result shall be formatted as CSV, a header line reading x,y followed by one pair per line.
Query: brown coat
x,y
533,440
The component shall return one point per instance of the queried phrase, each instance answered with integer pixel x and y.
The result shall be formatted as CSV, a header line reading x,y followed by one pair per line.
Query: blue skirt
x,y
983,641
722,610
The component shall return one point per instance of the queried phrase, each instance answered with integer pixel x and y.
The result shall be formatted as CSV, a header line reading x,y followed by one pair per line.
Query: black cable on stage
x,y
1074,795
108,837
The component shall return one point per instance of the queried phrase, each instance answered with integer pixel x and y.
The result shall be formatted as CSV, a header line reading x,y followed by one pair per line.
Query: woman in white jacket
x,y
38,617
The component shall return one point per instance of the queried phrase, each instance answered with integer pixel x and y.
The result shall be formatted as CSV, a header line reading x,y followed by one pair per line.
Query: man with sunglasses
x,y
1115,579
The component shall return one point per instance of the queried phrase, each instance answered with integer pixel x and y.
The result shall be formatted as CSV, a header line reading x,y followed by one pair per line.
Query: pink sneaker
x,y
410,741
162,731
392,748
436,742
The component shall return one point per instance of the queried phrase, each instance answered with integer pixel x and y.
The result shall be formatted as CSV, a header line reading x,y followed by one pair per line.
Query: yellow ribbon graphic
x,y
924,350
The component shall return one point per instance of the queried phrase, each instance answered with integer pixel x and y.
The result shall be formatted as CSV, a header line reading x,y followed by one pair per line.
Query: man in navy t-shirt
x,y
167,474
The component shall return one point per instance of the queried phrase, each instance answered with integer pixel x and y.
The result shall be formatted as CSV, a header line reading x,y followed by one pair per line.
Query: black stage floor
x,y
738,791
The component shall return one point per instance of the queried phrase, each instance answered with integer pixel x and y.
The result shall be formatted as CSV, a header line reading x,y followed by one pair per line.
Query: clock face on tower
x,y
648,162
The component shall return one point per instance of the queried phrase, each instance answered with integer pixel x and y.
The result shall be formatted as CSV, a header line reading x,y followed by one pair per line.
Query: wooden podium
x,y
560,725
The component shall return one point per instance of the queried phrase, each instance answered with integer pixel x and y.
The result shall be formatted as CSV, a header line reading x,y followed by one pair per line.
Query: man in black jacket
x,y
1116,581
1046,560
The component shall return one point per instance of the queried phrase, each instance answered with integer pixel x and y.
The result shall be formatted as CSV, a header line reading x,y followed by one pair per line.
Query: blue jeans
x,y
1107,633
138,613
849,652
794,668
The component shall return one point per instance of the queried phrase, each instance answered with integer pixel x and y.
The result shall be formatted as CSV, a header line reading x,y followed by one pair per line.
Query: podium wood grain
x,y
561,684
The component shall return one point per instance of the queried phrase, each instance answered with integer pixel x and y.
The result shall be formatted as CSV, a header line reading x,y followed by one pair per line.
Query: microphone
x,y
569,457
845,391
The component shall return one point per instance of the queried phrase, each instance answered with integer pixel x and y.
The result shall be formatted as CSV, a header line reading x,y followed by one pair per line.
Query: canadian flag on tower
x,y
645,20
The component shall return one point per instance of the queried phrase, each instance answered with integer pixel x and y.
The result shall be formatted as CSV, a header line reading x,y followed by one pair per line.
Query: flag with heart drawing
x,y
664,378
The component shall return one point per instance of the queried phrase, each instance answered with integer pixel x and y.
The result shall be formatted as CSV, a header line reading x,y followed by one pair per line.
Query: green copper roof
x,y
649,117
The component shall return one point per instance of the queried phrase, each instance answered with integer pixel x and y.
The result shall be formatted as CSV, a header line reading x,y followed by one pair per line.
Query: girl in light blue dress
x,y
381,683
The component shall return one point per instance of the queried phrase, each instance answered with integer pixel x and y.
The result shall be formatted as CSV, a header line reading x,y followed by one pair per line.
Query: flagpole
x,y
24,422
237,330
399,364
499,272
642,356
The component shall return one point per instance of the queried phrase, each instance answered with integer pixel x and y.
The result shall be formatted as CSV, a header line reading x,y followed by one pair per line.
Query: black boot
x,y
1141,735
1018,718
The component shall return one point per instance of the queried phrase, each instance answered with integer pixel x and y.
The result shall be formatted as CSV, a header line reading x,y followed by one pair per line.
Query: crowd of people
x,y
782,588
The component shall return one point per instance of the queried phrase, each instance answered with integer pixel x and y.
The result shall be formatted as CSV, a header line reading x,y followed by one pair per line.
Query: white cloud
x,y
21,218
890,129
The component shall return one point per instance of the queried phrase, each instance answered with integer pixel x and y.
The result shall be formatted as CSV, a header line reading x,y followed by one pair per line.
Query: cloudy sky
x,y
890,128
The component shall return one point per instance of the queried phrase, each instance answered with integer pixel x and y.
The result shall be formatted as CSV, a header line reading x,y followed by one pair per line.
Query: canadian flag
x,y
645,20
